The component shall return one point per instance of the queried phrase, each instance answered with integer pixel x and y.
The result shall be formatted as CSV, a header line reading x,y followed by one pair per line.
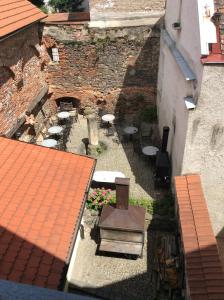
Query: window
x,y
55,54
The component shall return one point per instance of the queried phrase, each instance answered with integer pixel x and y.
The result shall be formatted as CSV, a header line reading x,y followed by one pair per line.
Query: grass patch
x,y
146,203
163,207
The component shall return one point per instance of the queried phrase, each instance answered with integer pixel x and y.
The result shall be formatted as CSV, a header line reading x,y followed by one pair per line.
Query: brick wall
x,y
118,65
219,7
22,76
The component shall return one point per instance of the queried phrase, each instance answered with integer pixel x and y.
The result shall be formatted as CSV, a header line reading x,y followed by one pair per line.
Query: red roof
x,y
16,14
68,18
204,273
42,195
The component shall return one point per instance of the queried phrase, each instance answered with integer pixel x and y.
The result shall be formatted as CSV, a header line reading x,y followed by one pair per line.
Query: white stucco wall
x,y
204,150
172,85
188,38
197,146
172,88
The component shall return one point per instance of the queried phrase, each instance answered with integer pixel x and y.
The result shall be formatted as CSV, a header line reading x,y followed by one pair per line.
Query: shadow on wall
x,y
137,93
16,52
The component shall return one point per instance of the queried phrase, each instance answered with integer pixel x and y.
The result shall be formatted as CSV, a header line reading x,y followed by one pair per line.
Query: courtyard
x,y
117,276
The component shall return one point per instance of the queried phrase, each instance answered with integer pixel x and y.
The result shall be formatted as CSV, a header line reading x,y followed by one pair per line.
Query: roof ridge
x,y
197,234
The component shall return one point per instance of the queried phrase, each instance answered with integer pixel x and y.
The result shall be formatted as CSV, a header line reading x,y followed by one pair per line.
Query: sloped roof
x,y
16,14
204,273
42,196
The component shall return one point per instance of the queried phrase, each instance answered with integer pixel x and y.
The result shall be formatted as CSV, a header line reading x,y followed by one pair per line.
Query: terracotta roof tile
x,y
37,220
16,14
204,272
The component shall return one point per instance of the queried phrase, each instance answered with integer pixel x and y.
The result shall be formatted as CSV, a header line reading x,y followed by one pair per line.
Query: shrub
x,y
98,197
146,203
149,114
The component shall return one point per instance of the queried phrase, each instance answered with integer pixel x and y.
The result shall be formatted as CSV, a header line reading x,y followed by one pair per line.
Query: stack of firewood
x,y
168,275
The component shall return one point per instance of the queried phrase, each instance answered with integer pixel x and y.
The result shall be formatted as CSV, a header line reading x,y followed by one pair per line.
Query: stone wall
x,y
43,112
117,65
21,75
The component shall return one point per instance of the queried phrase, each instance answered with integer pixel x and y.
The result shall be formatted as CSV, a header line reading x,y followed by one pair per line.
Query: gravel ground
x,y
111,276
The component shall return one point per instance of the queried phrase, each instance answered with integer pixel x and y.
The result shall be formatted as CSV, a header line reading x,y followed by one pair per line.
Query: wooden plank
x,y
121,247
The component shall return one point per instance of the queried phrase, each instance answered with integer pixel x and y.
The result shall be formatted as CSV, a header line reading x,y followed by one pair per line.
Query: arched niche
x,y
74,101
6,74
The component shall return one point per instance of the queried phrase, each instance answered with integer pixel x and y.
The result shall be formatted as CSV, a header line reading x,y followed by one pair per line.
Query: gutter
x,y
179,58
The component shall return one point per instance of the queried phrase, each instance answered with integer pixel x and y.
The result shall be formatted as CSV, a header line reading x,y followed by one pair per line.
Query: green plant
x,y
44,9
98,197
65,5
148,114
146,203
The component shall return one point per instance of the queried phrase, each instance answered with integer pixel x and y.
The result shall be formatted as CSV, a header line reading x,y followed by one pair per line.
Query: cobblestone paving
x,y
111,277
118,157
115,277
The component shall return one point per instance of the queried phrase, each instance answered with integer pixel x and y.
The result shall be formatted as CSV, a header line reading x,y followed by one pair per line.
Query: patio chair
x,y
74,114
137,147
110,131
125,139
66,106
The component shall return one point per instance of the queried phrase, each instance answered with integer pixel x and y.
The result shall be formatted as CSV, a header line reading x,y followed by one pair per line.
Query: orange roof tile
x,y
16,14
204,272
42,195
68,18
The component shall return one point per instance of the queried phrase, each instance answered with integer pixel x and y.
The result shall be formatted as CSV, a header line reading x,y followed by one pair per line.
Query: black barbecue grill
x,y
163,166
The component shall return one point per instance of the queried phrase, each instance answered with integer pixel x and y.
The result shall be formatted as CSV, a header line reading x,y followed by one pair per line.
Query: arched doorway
x,y
74,102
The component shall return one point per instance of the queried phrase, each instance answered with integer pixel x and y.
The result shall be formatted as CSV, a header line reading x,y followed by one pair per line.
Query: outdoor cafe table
x,y
107,176
108,118
55,129
49,143
150,150
130,130
63,115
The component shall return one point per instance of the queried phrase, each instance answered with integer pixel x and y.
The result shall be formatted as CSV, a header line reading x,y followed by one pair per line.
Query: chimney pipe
x,y
122,192
165,138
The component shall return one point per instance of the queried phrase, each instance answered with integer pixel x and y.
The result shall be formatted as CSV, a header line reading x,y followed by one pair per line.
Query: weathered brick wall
x,y
21,75
219,7
118,65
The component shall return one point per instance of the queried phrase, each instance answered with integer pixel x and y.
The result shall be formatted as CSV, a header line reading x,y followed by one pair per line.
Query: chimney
x,y
166,130
122,192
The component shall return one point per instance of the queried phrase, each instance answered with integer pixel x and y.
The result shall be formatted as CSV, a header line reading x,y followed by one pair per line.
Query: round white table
x,y
63,115
108,118
150,150
55,129
49,143
130,130
107,176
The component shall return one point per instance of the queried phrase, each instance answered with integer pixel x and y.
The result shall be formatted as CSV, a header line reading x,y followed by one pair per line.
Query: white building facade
x,y
191,97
